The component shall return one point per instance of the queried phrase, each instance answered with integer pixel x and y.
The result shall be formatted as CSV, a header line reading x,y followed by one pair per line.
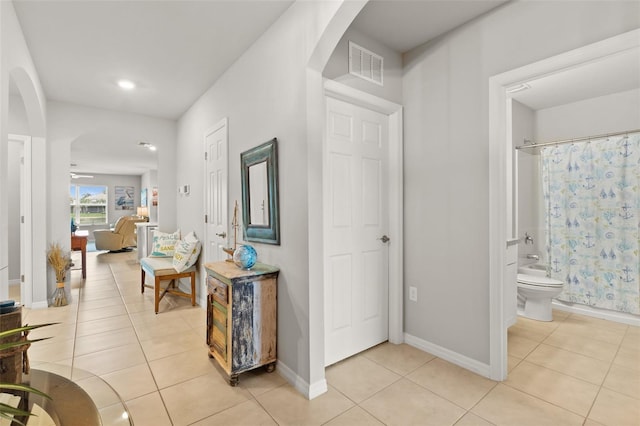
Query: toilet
x,y
534,296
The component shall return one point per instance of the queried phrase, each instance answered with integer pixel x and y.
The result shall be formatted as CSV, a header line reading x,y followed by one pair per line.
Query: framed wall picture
x,y
154,197
143,198
124,198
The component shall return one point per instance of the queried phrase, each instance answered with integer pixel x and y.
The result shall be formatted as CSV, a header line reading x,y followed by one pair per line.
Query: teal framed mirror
x,y
260,214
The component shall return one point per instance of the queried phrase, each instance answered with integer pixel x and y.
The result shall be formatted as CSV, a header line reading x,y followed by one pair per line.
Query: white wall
x,y
66,123
528,183
446,100
338,67
264,96
111,181
149,181
617,112
18,123
16,65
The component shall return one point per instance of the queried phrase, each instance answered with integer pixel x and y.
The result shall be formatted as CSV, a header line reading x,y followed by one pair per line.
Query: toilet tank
x,y
537,269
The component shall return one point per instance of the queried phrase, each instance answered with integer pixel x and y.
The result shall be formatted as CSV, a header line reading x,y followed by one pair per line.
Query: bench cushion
x,y
159,266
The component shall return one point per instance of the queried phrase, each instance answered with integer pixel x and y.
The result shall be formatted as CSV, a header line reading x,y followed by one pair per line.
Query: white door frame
x,y
500,210
26,233
394,112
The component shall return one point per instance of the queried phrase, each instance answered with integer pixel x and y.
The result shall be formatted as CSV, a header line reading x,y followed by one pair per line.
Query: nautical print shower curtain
x,y
592,198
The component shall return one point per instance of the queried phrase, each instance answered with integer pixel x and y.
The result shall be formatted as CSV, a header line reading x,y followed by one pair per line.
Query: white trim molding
x,y
310,391
448,355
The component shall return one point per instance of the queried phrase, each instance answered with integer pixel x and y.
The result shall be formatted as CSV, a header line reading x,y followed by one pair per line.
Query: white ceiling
x,y
421,21
405,24
172,50
175,50
613,74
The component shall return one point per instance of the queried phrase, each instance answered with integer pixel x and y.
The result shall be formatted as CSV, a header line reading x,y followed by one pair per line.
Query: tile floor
x,y
574,370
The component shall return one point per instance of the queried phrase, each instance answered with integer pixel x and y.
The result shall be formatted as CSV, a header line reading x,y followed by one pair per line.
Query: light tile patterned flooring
x,y
575,370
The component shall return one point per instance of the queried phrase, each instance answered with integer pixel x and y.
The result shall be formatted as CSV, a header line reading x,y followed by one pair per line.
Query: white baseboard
x,y
449,355
301,385
317,389
202,300
620,317
40,305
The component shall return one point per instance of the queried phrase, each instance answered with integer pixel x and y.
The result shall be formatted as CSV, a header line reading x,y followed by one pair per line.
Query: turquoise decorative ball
x,y
245,257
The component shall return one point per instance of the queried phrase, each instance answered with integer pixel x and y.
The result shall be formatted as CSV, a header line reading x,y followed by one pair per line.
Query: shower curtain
x,y
592,198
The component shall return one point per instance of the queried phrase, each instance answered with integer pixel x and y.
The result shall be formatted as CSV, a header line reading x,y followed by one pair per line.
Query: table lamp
x,y
143,212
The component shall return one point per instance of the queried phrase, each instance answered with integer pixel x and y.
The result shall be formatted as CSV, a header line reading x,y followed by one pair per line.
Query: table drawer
x,y
218,289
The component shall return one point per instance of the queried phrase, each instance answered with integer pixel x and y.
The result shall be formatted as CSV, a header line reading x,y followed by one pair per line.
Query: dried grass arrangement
x,y
60,261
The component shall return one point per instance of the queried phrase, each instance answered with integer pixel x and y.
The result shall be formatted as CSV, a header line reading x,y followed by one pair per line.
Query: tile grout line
x,y
469,411
593,403
121,277
135,331
401,376
504,382
254,398
81,288
600,386
75,328
251,396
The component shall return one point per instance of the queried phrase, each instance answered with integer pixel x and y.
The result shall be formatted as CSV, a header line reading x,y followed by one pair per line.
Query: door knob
x,y
384,239
222,234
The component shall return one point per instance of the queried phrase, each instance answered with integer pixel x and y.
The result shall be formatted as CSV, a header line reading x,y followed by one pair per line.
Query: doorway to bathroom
x,y
503,171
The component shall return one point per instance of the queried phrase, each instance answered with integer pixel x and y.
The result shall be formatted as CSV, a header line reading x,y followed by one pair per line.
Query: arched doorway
x,y
25,221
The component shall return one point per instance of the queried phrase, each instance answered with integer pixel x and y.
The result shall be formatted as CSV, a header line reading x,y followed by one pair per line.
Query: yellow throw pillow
x,y
186,252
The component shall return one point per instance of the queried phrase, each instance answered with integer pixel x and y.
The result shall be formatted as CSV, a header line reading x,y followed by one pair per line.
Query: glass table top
x,y
78,398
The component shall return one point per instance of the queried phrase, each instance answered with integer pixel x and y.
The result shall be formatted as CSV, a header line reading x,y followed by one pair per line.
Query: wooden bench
x,y
161,269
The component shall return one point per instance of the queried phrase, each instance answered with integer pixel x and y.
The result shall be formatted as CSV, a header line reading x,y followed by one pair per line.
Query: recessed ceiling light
x,y
149,146
518,88
126,84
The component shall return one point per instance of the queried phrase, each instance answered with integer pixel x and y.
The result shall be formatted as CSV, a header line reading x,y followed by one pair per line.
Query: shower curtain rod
x,y
560,142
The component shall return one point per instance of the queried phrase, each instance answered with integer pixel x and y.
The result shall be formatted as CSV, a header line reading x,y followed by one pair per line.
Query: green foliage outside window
x,y
88,204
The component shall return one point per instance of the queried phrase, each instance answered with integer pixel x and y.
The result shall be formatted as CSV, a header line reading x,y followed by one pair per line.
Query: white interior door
x,y
356,221
216,158
26,275
23,253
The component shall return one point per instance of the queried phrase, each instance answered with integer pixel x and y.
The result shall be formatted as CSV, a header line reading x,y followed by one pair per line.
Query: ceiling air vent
x,y
365,64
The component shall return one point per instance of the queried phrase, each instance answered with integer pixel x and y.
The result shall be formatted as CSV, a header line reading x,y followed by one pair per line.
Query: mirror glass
x,y
258,194
260,216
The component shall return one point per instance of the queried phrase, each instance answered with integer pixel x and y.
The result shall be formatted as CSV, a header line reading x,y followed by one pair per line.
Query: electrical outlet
x,y
413,294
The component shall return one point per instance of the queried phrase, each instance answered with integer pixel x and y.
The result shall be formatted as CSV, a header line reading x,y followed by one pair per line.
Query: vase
x,y
60,297
245,257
